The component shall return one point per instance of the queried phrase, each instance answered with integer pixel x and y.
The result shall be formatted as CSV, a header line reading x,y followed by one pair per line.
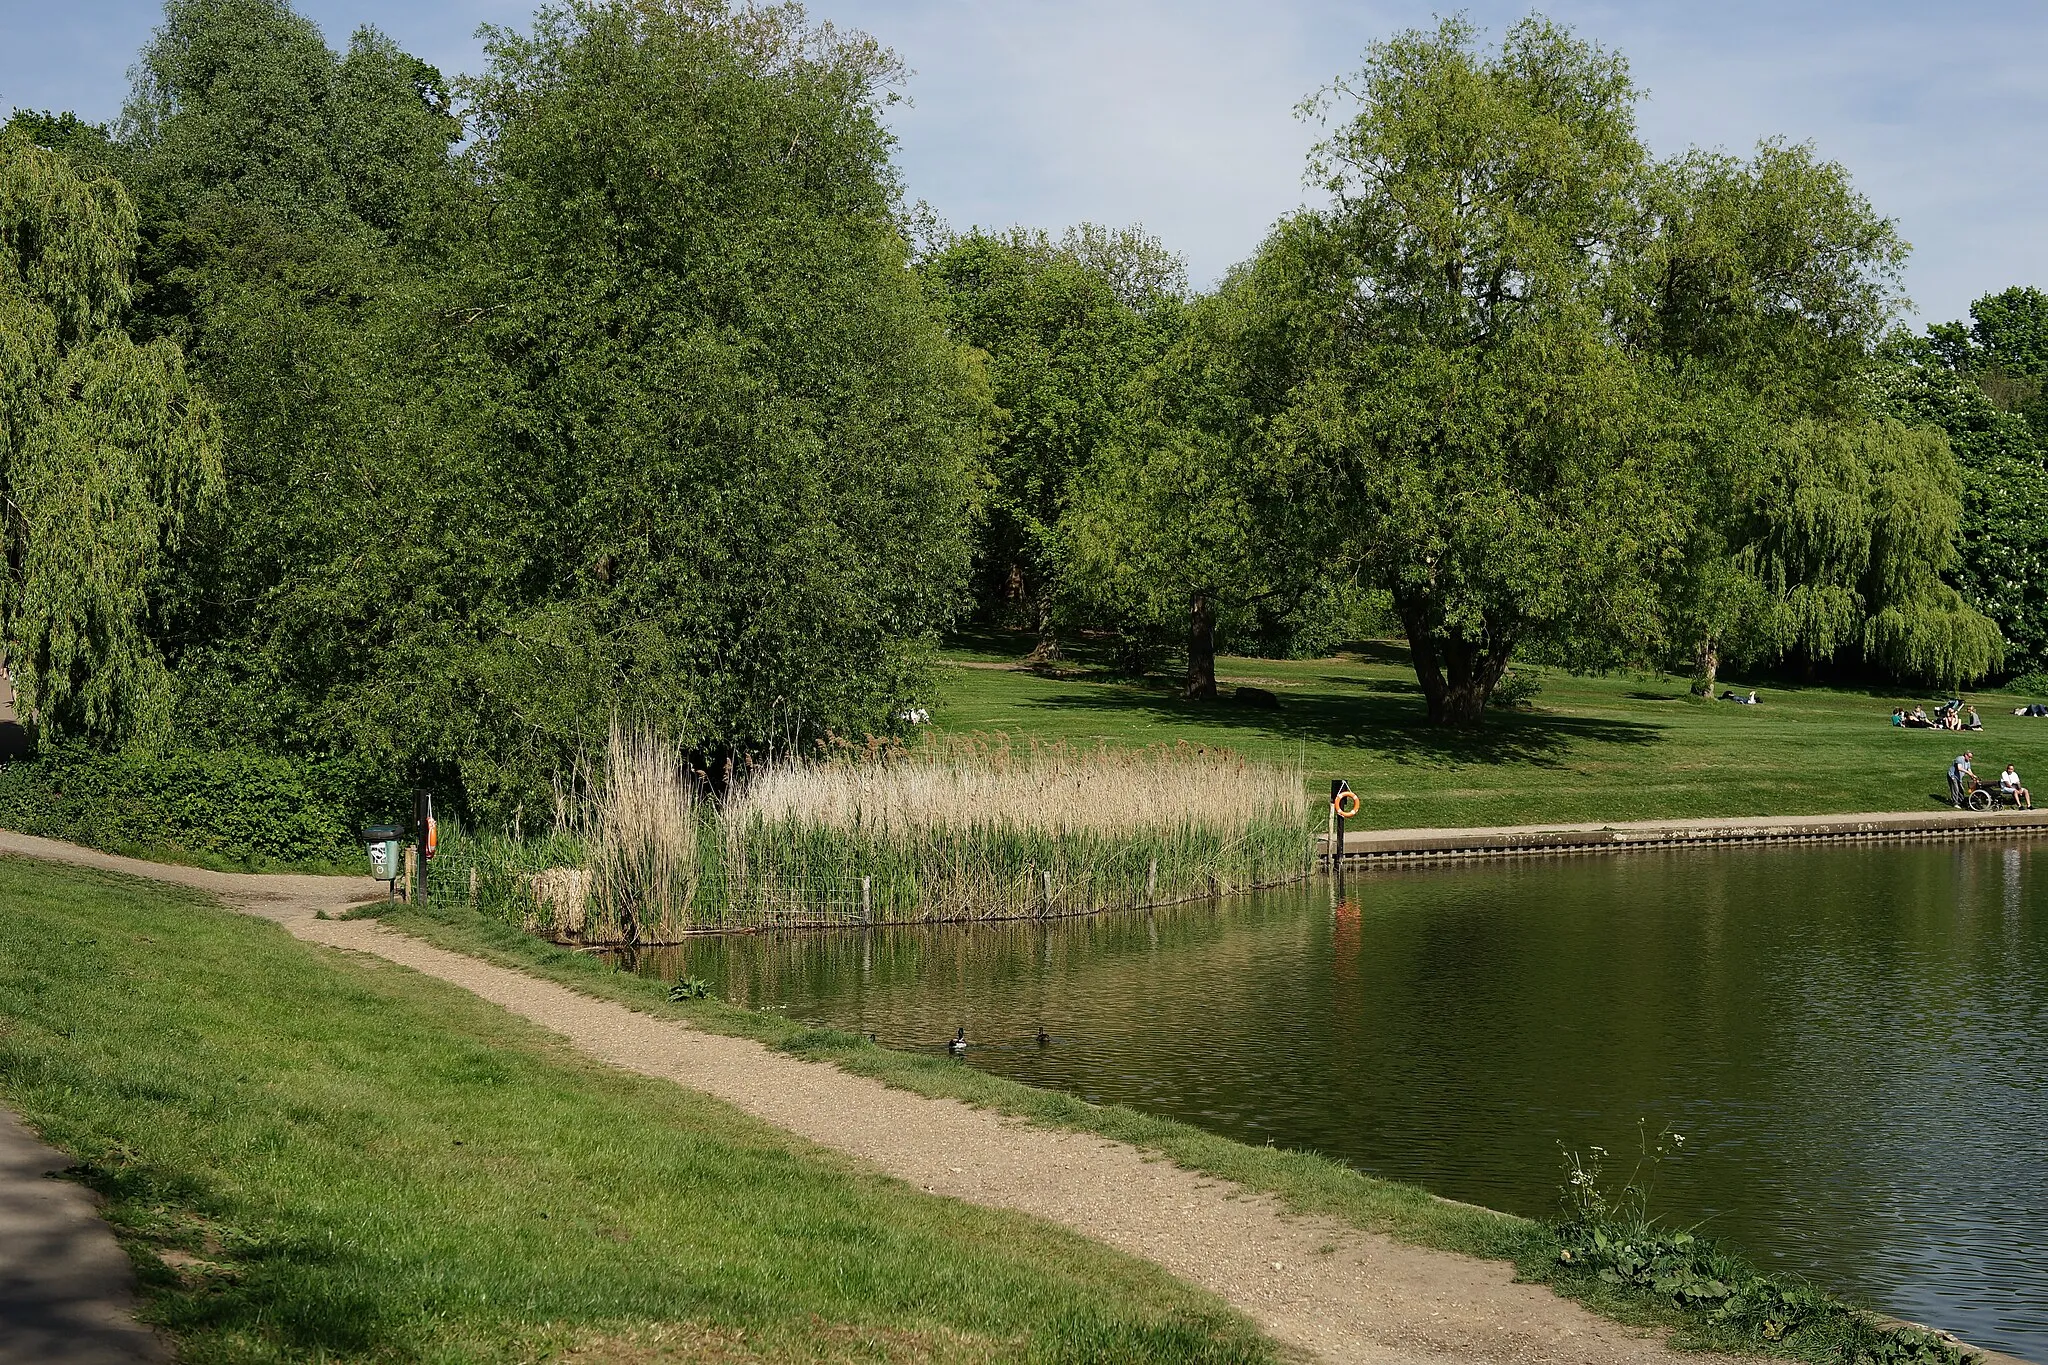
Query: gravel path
x,y
1315,1284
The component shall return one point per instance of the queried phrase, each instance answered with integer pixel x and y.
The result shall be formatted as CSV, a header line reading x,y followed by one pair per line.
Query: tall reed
x,y
643,826
983,829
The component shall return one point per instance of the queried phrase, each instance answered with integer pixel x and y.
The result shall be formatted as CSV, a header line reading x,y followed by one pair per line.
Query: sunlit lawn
x,y
318,1157
1594,748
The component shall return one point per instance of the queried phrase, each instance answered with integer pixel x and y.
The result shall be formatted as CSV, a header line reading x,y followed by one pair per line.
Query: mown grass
x,y
1617,747
1306,1182
312,1156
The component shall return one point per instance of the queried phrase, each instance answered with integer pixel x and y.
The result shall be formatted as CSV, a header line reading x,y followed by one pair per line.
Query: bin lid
x,y
382,834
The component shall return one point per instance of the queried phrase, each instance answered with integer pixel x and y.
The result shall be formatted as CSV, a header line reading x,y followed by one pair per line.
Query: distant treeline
x,y
419,428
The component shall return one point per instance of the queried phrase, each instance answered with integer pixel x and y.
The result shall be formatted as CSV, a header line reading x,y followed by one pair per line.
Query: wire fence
x,y
540,889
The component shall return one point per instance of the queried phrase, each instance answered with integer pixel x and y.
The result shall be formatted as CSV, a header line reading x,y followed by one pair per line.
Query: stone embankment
x,y
1506,841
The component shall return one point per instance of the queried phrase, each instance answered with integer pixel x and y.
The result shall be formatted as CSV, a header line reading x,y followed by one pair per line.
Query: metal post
x,y
1152,882
867,906
1048,891
1330,841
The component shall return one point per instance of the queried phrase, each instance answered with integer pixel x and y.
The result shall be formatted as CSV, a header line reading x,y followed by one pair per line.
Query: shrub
x,y
237,805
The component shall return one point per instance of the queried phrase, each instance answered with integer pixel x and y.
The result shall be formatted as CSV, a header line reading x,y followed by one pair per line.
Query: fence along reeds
x,y
982,829
957,830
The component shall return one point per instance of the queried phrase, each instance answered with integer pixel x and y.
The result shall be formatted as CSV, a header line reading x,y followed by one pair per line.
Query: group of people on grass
x,y
1948,715
1962,780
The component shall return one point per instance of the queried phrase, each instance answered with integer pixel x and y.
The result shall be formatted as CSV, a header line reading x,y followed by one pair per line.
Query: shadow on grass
x,y
1386,722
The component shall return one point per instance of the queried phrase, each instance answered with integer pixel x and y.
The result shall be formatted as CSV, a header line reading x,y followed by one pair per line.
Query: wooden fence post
x,y
867,905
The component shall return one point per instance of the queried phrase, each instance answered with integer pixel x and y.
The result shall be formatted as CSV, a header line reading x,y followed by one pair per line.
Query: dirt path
x,y
1314,1284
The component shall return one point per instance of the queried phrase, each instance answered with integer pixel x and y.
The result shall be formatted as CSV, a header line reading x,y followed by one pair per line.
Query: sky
x,y
1179,114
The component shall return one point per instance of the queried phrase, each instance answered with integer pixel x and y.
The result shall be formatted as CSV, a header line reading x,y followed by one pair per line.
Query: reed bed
x,y
957,830
982,829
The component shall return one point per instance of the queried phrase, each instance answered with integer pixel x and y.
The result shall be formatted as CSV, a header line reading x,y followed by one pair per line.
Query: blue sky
x,y
1177,114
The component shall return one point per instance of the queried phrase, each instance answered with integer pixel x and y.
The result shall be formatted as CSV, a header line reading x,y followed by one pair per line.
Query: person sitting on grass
x,y
1898,715
1975,722
2009,783
1960,779
1918,720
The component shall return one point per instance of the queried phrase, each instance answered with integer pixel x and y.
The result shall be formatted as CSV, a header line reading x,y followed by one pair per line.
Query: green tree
x,y
1946,381
105,449
1065,326
729,450
1765,286
1194,520
1497,446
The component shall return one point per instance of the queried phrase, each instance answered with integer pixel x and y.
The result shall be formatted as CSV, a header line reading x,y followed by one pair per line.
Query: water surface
x,y
1853,1041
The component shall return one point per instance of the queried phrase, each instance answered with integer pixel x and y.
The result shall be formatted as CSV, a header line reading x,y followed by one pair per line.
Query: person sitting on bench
x,y
2009,784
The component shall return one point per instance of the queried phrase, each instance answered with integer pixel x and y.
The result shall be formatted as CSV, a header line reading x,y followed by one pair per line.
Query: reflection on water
x,y
1854,1041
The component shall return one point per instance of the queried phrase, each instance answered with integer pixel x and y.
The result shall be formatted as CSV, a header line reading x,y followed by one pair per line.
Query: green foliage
x,y
1190,511
105,448
237,807
1847,538
1065,326
634,407
1980,386
1454,371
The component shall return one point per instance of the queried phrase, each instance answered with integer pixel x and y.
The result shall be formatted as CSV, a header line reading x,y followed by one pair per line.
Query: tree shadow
x,y
1390,722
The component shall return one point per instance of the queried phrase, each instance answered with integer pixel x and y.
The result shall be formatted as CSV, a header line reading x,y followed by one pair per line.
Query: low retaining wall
x,y
1425,845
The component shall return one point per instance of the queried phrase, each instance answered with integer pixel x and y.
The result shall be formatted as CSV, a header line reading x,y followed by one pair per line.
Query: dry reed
x,y
1055,788
643,840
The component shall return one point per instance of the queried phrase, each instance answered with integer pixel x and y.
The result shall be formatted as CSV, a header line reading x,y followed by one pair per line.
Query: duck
x,y
1043,1036
959,1043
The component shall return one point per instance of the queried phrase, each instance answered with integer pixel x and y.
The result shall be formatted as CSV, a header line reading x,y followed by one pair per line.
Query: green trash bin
x,y
386,847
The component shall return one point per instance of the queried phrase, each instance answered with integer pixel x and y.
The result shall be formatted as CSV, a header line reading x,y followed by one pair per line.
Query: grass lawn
x,y
1593,748
312,1156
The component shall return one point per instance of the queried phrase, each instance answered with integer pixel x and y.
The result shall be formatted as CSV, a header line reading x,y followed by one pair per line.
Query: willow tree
x,y
1498,447
105,447
1844,548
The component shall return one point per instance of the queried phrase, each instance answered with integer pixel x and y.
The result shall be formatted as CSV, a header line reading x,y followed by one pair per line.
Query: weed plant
x,y
1614,1240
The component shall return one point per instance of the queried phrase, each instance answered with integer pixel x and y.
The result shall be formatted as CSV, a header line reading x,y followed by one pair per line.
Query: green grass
x,y
1305,1182
313,1156
1594,748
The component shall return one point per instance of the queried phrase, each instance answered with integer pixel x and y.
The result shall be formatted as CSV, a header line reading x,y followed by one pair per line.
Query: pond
x,y
1852,1040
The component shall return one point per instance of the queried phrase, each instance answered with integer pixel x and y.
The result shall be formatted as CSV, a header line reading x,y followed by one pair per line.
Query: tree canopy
x,y
427,425
105,450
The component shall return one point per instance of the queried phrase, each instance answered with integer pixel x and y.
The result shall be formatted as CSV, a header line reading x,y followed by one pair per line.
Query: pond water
x,y
1853,1041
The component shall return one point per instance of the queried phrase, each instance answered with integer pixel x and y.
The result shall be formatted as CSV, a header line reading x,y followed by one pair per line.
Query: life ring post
x,y
1343,805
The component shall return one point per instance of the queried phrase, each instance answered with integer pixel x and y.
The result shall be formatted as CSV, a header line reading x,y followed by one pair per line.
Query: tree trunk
x,y
1706,663
1201,649
1457,675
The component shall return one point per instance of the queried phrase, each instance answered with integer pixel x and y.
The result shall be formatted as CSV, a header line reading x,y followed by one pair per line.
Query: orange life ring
x,y
433,837
1345,812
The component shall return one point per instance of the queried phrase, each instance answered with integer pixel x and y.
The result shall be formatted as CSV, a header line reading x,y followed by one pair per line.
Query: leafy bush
x,y
236,805
1518,687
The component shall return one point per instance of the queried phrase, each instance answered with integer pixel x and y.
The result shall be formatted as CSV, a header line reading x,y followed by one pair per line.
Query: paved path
x,y
1318,1285
67,1292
